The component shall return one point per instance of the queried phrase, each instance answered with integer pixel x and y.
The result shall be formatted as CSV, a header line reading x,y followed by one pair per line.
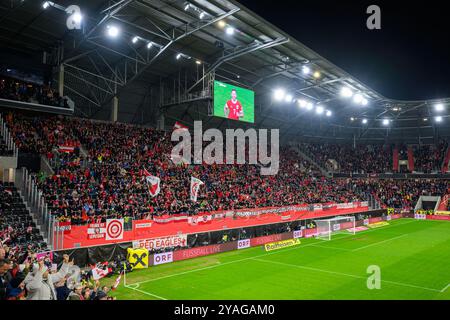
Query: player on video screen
x,y
233,108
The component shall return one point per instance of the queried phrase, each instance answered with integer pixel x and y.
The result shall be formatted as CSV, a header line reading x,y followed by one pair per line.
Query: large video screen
x,y
234,103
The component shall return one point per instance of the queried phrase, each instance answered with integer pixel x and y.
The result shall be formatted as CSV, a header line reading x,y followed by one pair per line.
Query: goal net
x,y
327,227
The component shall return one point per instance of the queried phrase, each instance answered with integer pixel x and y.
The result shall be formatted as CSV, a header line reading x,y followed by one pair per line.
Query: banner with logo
x,y
161,243
137,258
298,234
162,258
153,184
281,244
96,231
114,229
243,244
195,186
200,219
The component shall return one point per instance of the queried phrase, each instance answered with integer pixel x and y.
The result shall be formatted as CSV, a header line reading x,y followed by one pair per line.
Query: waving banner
x,y
195,185
153,184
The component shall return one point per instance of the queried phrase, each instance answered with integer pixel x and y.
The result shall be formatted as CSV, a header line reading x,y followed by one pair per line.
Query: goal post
x,y
327,227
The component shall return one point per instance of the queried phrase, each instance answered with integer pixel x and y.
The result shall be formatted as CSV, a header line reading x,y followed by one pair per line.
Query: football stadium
x,y
194,150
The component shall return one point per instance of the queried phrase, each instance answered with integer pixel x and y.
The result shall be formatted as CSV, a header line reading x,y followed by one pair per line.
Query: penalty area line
x,y
135,287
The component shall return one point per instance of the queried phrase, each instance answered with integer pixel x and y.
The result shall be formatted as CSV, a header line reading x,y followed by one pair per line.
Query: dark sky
x,y
409,58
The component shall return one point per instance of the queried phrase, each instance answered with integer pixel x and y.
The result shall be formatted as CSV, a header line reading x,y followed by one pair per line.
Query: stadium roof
x,y
214,39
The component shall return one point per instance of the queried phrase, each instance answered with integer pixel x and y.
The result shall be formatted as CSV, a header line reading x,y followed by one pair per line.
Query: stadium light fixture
x,y
198,62
47,4
113,31
319,109
425,119
149,45
329,113
364,121
439,107
302,103
221,24
357,98
77,17
135,39
187,6
346,92
306,70
288,98
178,56
438,119
317,75
309,106
352,119
386,122
279,94
229,31
202,15
364,102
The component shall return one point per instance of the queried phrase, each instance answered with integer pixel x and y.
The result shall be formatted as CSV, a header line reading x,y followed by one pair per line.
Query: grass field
x,y
413,256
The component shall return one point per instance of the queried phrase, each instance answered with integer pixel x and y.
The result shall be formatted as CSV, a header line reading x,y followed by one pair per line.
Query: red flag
x,y
180,126
117,282
153,183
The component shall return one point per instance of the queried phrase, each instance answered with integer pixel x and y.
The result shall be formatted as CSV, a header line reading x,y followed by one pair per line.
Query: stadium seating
x,y
17,229
108,182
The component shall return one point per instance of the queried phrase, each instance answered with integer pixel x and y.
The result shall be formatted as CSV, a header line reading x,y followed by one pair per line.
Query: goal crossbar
x,y
327,227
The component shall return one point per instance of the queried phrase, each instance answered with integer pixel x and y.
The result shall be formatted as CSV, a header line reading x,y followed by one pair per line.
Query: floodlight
x,y
221,24
357,98
438,119
309,106
439,107
279,94
288,98
346,92
329,113
306,70
135,39
47,4
364,102
317,74
364,121
178,56
386,122
319,109
302,103
149,45
229,30
113,31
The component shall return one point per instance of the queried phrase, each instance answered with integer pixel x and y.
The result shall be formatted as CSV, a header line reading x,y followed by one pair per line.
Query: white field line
x,y
446,287
261,255
142,291
345,274
379,242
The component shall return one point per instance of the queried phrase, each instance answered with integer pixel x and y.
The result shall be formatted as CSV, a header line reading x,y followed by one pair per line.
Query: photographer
x,y
40,282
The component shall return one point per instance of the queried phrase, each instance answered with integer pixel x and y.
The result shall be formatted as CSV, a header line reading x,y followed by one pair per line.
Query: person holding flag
x,y
195,186
153,183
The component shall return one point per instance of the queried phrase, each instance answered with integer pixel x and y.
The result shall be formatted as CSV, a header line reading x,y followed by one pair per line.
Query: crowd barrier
x,y
207,243
116,231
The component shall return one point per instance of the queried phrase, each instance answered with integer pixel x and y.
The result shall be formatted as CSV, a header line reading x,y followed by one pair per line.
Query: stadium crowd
x,y
17,90
361,159
106,180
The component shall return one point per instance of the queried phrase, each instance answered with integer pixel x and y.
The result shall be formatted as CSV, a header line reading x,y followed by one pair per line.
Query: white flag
x,y
98,273
195,185
153,184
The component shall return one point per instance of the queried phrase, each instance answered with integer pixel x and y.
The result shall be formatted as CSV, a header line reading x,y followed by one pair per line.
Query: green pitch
x,y
413,256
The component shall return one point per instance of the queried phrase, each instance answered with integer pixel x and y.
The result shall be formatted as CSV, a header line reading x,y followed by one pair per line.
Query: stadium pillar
x,y
115,109
61,80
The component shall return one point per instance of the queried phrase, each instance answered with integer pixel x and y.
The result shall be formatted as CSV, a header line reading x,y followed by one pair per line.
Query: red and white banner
x,y
170,218
242,244
161,243
98,273
96,231
195,185
162,258
68,149
63,226
199,219
179,126
114,229
153,184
